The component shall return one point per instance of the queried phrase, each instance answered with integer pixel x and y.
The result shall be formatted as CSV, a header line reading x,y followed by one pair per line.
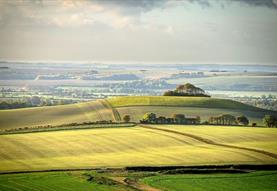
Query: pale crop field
x,y
55,115
250,137
137,112
137,106
133,146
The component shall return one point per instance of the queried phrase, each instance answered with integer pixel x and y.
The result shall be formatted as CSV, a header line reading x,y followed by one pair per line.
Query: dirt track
x,y
208,141
107,105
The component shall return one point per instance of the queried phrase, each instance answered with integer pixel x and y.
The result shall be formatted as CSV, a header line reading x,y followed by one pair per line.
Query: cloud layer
x,y
158,30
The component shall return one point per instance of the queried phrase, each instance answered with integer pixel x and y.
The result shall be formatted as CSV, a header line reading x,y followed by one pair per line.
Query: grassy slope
x,y
203,102
255,181
137,106
130,147
54,115
53,181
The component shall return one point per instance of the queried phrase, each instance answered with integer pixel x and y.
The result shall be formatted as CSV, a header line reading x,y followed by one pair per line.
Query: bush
x,y
126,118
242,120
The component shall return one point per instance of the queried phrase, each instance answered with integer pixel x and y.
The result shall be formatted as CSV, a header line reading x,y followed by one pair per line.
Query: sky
x,y
215,31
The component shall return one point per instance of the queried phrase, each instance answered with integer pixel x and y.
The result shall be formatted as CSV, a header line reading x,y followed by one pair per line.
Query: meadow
x,y
56,181
120,179
255,181
203,102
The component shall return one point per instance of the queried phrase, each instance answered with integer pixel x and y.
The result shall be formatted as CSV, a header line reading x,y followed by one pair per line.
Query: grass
x,y
255,181
202,102
54,181
109,180
136,146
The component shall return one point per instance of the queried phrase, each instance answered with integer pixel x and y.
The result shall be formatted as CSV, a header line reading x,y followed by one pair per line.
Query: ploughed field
x,y
155,145
135,106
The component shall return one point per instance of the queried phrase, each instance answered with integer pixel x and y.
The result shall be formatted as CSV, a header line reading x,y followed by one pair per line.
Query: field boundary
x,y
264,167
210,142
67,128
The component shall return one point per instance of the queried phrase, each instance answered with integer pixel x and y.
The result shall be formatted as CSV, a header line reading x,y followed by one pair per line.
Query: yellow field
x,y
135,146
55,115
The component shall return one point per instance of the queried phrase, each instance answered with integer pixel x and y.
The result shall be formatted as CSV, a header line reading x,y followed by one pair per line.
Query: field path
x,y
134,184
116,114
208,141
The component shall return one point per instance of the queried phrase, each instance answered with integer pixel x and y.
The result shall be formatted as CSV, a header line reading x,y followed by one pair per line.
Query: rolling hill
x,y
56,115
136,106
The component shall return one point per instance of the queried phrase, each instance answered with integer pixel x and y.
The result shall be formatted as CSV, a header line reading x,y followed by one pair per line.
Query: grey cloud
x,y
257,3
132,7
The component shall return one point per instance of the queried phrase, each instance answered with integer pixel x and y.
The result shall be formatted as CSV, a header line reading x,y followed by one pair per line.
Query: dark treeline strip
x,y
72,126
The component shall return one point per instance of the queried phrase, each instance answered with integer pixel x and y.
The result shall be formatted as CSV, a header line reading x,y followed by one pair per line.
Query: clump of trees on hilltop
x,y
151,118
187,90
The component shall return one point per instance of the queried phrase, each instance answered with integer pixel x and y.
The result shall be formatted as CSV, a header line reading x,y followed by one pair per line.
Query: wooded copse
x,y
187,90
151,118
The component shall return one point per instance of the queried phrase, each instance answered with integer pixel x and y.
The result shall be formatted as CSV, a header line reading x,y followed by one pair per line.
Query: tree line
x,y
224,119
227,119
151,118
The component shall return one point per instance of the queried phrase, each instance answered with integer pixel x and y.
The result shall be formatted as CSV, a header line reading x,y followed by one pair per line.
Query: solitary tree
x,y
149,118
270,121
126,118
168,93
242,120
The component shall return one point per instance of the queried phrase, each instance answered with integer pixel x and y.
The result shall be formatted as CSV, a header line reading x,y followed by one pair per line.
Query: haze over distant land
x,y
214,31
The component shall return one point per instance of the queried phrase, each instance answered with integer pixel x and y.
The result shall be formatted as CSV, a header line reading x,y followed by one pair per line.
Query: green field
x,y
136,146
109,180
203,102
54,181
256,181
115,108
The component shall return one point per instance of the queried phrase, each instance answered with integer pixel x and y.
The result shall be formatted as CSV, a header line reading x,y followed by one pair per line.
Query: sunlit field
x,y
136,146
